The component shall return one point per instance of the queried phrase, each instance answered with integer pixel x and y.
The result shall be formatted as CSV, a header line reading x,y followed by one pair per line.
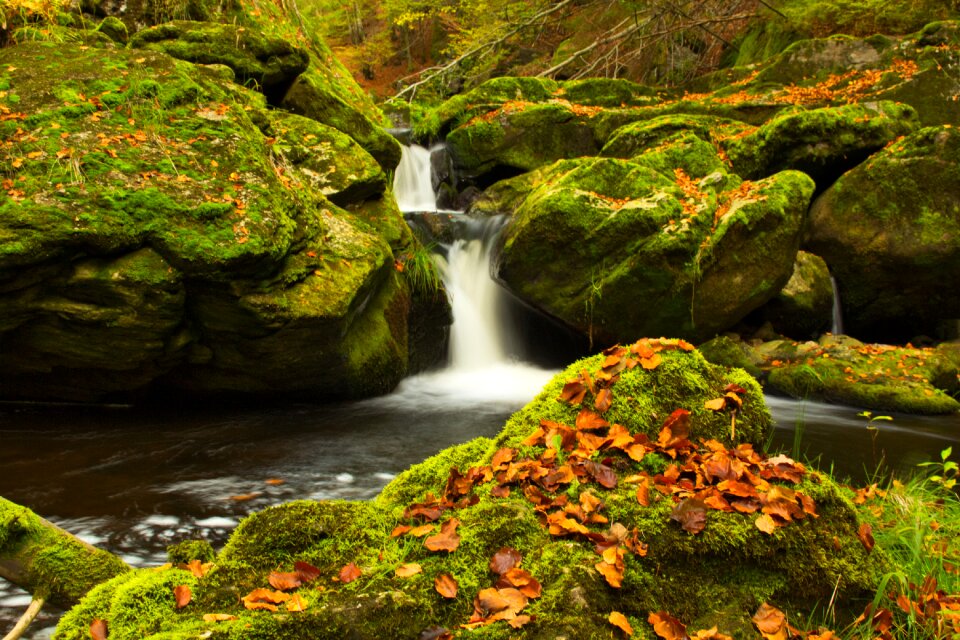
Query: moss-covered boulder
x,y
890,231
151,235
576,535
823,143
612,247
258,60
641,137
868,376
804,307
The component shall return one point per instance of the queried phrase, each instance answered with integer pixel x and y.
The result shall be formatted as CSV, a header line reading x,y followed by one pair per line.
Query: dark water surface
x,y
134,480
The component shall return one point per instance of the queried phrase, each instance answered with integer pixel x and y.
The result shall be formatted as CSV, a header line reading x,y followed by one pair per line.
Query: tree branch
x,y
26,619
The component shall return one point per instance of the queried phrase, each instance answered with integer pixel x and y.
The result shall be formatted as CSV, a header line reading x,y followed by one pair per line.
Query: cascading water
x,y
836,326
412,182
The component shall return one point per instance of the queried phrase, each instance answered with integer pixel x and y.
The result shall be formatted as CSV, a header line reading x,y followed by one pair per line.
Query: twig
x,y
26,619
774,9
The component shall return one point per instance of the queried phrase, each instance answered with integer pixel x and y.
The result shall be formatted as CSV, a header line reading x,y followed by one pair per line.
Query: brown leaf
x,y
296,603
407,570
519,621
666,626
620,621
865,533
98,629
502,458
601,473
613,573
182,595
675,427
717,404
399,530
504,560
447,540
284,581
603,400
306,571
446,585
589,421
264,599
691,514
218,617
770,622
349,573
573,392
643,493
522,580
652,362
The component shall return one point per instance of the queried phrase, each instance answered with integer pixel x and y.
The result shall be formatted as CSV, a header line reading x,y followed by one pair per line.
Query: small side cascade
x,y
836,327
413,180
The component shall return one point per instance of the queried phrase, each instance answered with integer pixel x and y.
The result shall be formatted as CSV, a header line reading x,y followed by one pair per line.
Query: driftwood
x,y
49,562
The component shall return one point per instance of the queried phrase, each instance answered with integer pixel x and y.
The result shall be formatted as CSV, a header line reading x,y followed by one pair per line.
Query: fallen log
x,y
47,561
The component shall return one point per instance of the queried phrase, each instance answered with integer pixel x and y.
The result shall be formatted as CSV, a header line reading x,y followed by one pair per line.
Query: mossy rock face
x,y
612,247
890,231
822,143
607,92
804,307
260,60
326,159
821,57
718,576
730,351
640,137
319,95
98,239
866,376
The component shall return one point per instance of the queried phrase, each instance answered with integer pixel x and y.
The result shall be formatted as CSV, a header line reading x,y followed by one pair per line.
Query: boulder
x,y
268,63
890,231
153,239
804,307
531,526
612,247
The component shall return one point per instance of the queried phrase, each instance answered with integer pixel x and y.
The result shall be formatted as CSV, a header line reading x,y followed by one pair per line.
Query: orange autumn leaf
x,y
603,400
613,573
182,595
667,627
447,540
399,530
349,573
620,621
283,581
865,533
770,622
766,523
296,603
408,570
446,585
218,617
98,629
197,568
504,560
264,599
422,530
717,404
522,580
306,571
691,514
652,362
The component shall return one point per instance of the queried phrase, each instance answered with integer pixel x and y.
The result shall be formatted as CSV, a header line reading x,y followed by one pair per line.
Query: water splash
x,y
836,326
413,180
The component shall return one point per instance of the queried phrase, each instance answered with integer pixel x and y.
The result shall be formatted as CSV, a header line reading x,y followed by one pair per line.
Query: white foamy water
x,y
412,181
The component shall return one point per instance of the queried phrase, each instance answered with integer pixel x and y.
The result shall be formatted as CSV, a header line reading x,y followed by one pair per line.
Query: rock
x,y
730,351
821,57
714,577
823,143
114,28
266,62
804,307
867,376
643,136
612,247
890,231
328,160
173,253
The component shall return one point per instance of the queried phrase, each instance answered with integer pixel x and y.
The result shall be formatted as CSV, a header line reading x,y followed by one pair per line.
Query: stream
x,y
134,480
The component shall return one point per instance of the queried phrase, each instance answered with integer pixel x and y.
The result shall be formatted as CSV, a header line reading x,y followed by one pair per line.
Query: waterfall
x,y
836,328
413,180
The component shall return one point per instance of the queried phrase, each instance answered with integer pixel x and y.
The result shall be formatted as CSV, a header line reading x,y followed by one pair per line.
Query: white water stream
x,y
412,182
836,326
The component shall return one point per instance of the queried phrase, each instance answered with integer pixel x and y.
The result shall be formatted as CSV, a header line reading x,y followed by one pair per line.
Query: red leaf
x,y
504,560
98,629
446,585
602,474
447,540
349,573
573,392
865,533
182,595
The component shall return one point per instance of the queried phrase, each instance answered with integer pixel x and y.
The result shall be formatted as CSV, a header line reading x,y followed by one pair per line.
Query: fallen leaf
x,y
407,570
613,573
447,540
264,599
691,514
306,571
504,560
296,603
446,585
620,621
218,617
865,533
717,404
283,581
603,400
349,573
766,523
667,627
98,629
182,595
770,622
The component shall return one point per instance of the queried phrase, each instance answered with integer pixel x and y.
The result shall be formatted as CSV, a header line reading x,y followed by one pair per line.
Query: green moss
x,y
184,552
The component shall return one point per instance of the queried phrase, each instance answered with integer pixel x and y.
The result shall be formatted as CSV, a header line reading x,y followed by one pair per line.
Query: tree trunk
x,y
47,561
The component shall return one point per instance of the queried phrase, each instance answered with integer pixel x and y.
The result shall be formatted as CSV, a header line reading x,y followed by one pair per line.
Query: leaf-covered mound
x,y
629,489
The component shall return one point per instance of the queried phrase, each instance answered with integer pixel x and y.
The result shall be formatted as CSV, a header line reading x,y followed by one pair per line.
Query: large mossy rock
x,y
890,231
154,236
613,247
804,307
717,576
257,59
